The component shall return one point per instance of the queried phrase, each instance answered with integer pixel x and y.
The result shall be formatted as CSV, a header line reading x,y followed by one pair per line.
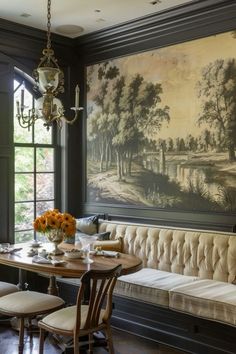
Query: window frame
x,y
55,145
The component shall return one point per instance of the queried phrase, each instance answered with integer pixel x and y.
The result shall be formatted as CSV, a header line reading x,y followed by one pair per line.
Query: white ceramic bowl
x,y
74,254
35,244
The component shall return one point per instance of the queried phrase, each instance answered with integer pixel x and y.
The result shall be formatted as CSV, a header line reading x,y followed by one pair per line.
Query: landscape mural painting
x,y
161,127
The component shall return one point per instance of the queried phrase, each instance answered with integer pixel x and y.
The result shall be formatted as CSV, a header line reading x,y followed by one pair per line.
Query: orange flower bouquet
x,y
56,226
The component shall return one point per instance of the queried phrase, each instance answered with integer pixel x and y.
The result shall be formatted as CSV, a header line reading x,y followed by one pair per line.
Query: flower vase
x,y
56,236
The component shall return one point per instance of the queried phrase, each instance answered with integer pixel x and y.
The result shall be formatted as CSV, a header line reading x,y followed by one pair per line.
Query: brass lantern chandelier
x,y
49,79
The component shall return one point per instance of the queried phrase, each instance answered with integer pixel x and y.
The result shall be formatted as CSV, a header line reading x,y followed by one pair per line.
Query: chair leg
x,y
90,338
76,345
41,340
30,328
21,335
109,339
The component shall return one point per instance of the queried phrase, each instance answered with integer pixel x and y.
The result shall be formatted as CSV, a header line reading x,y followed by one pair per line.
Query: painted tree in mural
x,y
126,117
100,123
217,90
127,137
118,139
142,117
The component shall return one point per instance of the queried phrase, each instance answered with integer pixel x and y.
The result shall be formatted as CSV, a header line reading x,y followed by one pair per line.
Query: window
x,y
35,172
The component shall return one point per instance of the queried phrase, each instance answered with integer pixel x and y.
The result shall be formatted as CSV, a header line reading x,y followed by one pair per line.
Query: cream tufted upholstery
x,y
190,271
197,253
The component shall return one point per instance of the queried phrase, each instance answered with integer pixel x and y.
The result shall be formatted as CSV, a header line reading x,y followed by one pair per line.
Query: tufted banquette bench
x,y
185,294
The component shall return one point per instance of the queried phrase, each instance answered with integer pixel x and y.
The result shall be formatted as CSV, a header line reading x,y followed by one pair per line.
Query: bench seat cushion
x,y
150,285
209,299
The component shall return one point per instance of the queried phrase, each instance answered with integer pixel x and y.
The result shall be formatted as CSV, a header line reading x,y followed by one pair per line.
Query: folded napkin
x,y
110,253
42,260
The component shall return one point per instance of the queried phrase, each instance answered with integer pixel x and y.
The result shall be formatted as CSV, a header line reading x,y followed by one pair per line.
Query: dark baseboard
x,y
178,330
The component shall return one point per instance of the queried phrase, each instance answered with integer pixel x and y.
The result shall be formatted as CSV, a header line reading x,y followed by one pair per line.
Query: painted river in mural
x,y
184,175
199,181
212,177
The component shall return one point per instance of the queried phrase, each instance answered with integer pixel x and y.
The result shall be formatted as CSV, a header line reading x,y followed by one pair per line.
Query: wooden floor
x,y
124,343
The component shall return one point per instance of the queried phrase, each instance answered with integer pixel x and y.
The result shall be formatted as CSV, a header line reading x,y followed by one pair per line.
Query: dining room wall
x,y
22,46
193,21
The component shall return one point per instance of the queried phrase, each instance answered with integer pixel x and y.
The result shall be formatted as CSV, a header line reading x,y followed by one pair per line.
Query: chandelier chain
x,y
49,25
49,81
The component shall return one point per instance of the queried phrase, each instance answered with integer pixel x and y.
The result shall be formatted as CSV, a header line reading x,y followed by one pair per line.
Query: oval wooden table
x,y
70,268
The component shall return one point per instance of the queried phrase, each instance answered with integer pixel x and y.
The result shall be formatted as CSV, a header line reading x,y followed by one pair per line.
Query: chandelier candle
x,y
77,97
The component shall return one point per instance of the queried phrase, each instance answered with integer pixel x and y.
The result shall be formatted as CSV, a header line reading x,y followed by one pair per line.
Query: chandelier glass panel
x,y
49,81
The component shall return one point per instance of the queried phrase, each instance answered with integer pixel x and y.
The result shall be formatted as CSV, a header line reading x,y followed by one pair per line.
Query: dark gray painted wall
x,y
24,45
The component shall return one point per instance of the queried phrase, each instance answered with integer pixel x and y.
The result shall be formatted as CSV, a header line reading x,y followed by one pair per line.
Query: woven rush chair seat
x,y
7,288
28,304
85,319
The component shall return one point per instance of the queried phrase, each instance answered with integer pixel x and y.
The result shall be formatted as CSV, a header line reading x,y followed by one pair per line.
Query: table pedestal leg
x,y
22,285
53,288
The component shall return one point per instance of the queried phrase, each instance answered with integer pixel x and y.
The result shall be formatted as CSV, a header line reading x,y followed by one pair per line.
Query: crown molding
x,y
192,20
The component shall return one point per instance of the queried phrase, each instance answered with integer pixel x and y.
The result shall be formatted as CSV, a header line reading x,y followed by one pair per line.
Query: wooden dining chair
x,y
27,305
84,319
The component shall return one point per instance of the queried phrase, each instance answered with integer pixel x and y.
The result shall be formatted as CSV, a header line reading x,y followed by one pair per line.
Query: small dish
x,y
73,254
5,248
32,252
35,244
43,253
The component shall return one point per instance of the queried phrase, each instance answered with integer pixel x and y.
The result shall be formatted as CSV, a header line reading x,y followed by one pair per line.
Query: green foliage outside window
x,y
34,171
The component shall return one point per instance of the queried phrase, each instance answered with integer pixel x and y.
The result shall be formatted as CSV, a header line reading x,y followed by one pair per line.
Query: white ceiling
x,y
91,15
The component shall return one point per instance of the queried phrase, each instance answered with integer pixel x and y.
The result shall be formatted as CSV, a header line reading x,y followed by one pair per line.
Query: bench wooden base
x,y
181,331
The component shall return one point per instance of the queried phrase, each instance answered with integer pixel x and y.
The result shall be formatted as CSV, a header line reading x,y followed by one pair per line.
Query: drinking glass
x,y
86,243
